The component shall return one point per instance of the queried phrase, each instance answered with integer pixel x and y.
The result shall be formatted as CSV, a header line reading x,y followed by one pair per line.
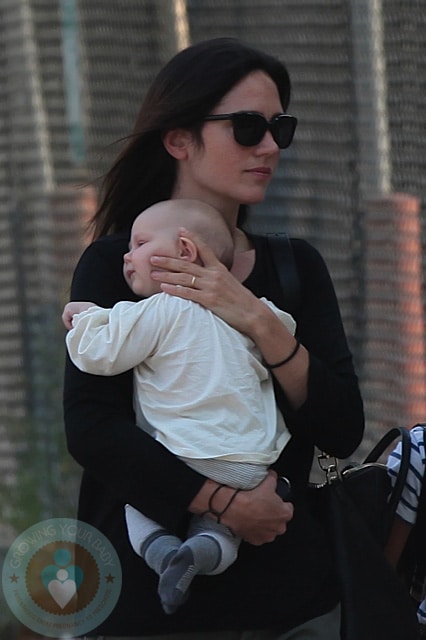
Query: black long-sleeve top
x,y
280,584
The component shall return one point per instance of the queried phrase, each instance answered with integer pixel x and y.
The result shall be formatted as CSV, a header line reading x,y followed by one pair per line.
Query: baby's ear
x,y
187,249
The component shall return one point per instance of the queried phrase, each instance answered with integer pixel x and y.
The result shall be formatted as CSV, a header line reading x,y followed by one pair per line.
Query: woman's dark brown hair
x,y
182,94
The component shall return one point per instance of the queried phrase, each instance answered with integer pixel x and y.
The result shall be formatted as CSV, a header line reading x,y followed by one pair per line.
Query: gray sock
x,y
158,549
200,554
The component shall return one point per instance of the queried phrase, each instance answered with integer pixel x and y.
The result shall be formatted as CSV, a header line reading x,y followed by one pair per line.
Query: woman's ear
x,y
177,142
187,249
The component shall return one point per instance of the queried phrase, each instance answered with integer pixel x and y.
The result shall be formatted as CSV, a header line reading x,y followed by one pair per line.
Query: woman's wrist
x,y
214,500
269,334
216,511
285,360
283,355
260,320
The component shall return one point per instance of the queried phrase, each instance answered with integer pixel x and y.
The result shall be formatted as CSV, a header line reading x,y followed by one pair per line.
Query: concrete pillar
x,y
394,356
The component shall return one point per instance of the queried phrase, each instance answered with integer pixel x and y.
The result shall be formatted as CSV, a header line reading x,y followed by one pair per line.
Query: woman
x,y
211,128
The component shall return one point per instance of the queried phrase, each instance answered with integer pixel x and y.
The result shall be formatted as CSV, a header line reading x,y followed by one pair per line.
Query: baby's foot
x,y
175,581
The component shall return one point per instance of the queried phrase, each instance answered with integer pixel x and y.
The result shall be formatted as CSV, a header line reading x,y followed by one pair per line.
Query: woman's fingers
x,y
210,284
172,265
178,272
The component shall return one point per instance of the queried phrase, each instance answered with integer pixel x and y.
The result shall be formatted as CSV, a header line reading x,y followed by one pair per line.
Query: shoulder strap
x,y
380,448
282,255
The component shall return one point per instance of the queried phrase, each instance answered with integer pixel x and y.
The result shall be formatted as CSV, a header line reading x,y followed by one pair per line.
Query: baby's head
x,y
156,232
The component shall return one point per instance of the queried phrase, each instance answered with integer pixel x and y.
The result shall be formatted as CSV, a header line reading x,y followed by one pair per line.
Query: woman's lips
x,y
261,172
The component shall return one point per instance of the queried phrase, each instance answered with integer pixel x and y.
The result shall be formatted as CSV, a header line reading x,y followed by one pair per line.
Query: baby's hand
x,y
71,309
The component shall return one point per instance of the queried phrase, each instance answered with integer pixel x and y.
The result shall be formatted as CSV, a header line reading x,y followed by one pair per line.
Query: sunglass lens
x,y
283,130
249,128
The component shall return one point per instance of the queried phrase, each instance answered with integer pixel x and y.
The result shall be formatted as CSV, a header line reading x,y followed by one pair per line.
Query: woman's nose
x,y
268,144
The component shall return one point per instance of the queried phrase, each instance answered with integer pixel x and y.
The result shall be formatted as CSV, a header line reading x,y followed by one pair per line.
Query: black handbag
x,y
369,486
360,505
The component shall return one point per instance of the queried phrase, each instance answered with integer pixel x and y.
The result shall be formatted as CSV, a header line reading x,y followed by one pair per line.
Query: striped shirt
x,y
407,507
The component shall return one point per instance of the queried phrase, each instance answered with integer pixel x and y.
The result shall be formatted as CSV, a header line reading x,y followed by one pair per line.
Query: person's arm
x,y
103,437
283,354
408,506
332,416
218,290
108,342
269,515
72,309
317,388
398,538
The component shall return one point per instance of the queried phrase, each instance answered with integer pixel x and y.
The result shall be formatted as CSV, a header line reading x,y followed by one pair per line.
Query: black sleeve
x,y
99,419
332,417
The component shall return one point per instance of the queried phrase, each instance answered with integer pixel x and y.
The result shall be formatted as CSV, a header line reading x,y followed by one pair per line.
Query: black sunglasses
x,y
249,127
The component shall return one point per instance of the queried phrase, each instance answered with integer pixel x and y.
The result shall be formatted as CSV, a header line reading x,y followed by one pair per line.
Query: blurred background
x,y
353,183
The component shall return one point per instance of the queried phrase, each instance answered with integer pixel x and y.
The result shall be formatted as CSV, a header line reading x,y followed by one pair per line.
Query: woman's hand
x,y
214,287
258,516
209,284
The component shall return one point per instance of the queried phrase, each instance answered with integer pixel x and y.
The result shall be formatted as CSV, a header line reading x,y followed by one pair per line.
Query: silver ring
x,y
193,281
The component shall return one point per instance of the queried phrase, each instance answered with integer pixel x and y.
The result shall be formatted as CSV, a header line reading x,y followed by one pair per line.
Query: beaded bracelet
x,y
280,364
214,512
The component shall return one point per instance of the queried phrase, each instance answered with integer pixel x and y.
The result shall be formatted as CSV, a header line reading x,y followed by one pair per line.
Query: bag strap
x,y
283,258
380,448
386,440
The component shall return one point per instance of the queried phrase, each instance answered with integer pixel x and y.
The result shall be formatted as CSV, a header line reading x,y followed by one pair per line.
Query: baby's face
x,y
150,236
